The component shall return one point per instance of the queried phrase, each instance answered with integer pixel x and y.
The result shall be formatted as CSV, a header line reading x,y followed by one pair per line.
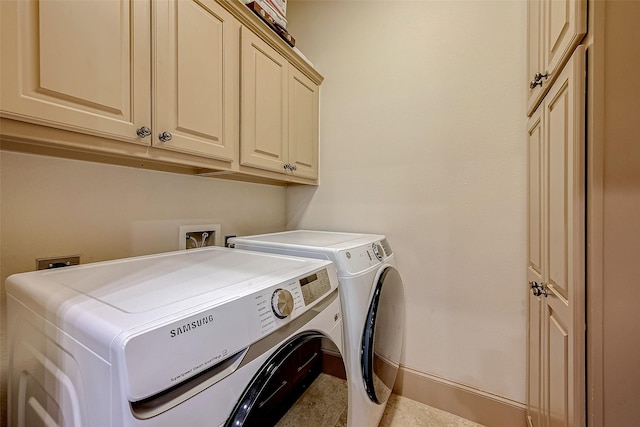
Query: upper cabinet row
x,y
199,84
555,28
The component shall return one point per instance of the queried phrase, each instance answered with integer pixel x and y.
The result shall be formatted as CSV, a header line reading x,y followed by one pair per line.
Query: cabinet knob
x,y
286,166
537,79
294,168
165,136
143,132
538,289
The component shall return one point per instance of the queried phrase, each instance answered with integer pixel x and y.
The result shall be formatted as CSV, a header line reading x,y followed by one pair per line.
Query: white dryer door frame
x,y
382,336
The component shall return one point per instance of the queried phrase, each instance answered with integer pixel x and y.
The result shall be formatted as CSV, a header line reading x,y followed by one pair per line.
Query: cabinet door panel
x,y
81,66
264,117
534,362
557,362
536,207
536,200
554,29
303,124
61,50
559,134
196,79
566,24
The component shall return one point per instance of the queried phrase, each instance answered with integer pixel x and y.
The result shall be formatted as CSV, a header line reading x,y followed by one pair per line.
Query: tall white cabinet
x,y
556,215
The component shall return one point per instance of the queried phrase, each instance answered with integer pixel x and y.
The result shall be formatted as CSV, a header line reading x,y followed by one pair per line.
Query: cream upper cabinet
x,y
162,73
556,248
264,105
554,29
78,65
279,112
195,78
303,124
86,79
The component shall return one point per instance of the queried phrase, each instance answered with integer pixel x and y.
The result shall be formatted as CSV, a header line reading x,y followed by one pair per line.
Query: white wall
x,y
53,207
422,139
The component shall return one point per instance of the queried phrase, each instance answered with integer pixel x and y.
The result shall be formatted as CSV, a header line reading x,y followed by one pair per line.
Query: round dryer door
x,y
382,337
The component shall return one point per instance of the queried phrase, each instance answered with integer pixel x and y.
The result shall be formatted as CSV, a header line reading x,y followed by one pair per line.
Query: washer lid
x,y
138,285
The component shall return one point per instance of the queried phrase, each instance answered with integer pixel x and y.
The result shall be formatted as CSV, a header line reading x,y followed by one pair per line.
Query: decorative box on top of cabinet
x,y
148,83
554,29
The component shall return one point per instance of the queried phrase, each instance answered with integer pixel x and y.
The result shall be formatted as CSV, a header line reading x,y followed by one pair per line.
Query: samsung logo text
x,y
191,326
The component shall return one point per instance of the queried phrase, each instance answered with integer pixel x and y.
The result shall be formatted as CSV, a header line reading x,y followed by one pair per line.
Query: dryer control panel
x,y
363,257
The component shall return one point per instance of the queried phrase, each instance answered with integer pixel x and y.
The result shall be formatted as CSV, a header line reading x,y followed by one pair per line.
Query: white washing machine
x,y
372,297
194,338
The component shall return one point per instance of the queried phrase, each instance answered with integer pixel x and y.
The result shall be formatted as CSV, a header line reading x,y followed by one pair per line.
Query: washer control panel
x,y
315,286
278,306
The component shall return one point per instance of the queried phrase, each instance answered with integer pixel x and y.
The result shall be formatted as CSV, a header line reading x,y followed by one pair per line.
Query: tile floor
x,y
324,404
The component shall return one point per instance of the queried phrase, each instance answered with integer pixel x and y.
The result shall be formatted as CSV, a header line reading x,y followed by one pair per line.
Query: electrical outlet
x,y
226,241
199,236
57,262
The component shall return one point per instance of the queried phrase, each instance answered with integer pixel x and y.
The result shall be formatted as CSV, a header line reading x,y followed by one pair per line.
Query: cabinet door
x,y
559,26
196,78
565,23
78,65
264,105
563,323
303,124
557,347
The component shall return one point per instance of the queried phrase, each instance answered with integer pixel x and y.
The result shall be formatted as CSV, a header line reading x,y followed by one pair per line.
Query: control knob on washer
x,y
282,303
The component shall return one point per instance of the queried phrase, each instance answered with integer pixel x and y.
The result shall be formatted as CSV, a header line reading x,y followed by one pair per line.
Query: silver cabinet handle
x,y
294,168
537,79
143,132
286,166
538,289
165,136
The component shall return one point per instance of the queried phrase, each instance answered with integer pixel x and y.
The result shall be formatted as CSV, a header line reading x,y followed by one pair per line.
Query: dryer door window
x,y
382,337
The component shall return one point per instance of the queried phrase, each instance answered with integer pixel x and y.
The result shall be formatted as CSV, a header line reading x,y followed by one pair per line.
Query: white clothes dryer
x,y
193,338
372,298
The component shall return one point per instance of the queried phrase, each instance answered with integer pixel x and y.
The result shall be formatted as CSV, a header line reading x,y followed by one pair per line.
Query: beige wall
x,y
52,207
422,139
